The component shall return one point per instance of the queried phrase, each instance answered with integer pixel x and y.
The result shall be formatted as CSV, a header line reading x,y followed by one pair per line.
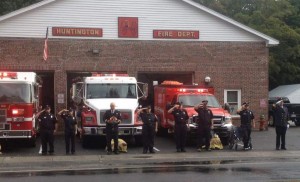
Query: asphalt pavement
x,y
263,142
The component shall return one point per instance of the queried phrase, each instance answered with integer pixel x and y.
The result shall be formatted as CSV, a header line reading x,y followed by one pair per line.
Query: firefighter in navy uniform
x,y
150,123
181,119
205,125
48,126
112,119
70,128
281,123
247,122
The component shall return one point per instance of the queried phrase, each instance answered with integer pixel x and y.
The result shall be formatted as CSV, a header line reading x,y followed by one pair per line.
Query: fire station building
x,y
153,40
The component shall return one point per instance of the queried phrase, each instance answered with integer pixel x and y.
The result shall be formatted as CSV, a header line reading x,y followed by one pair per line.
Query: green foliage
x,y
277,18
7,6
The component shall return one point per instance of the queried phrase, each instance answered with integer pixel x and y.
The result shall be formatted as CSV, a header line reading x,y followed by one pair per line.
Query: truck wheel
x,y
297,123
84,142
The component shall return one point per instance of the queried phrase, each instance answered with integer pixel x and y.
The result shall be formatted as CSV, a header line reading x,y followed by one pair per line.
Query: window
x,y
233,98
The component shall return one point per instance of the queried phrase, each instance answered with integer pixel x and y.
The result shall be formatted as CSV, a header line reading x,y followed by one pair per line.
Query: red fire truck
x,y
18,105
170,92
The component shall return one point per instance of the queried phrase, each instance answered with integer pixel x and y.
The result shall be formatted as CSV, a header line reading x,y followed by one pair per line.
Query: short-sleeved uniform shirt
x,y
246,117
70,122
148,119
47,122
180,116
204,117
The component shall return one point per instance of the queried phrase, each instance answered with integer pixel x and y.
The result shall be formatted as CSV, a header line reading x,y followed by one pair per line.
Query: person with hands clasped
x,y
70,129
181,120
205,125
149,128
247,122
112,119
48,126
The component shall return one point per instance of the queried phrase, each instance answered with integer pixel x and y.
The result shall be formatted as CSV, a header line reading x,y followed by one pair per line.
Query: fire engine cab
x,y
95,94
169,92
18,105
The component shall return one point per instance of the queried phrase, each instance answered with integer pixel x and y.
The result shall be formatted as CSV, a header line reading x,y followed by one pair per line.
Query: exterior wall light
x,y
95,51
207,79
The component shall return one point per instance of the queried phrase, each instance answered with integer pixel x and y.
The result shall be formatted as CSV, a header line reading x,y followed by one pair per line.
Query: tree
x,y
277,18
7,6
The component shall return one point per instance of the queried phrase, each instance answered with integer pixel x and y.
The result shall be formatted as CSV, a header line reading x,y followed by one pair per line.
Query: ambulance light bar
x,y
192,90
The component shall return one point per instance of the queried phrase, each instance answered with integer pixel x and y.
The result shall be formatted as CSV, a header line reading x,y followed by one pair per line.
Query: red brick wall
x,y
231,65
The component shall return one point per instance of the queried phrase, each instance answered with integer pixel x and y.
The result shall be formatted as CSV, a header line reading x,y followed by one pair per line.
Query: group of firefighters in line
x,y
112,117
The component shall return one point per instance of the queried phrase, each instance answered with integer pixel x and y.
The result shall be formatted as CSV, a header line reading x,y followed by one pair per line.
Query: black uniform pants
x,y
70,138
47,137
246,133
112,134
180,135
148,133
204,137
280,134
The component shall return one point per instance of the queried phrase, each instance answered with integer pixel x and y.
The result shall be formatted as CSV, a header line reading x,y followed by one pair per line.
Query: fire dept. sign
x,y
128,27
77,32
175,34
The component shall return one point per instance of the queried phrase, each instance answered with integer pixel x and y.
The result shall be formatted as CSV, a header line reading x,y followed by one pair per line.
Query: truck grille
x,y
2,115
125,114
218,120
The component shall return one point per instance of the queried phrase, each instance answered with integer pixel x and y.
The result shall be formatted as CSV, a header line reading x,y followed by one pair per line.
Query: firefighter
x,y
247,122
205,125
150,124
281,123
112,119
48,126
70,129
181,118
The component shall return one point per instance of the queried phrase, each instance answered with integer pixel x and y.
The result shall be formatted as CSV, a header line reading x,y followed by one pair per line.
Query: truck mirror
x,y
145,90
76,92
73,92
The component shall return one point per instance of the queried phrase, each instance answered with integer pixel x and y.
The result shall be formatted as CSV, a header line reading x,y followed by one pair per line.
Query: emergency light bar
x,y
12,75
109,74
192,90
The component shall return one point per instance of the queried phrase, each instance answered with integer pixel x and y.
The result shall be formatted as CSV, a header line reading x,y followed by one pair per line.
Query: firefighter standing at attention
x,y
181,119
112,118
149,128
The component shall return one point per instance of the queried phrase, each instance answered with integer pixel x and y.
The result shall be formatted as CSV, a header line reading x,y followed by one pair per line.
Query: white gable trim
x,y
269,40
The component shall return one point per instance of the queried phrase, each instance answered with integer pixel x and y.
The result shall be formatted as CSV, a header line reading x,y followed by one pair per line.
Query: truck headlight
x,y
228,120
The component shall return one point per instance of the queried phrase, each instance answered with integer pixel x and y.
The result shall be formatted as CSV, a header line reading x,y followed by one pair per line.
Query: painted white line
x,y
156,149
